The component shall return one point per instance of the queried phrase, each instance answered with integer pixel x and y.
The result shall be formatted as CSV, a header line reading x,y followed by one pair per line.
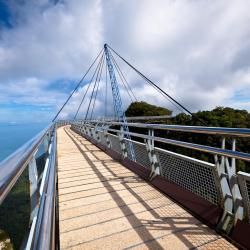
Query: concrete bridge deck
x,y
103,205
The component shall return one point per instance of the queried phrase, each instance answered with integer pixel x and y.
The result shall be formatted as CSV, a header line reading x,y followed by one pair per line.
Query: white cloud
x,y
52,42
30,91
197,51
191,48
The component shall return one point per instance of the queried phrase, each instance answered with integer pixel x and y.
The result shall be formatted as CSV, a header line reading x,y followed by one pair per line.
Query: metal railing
x,y
216,182
233,132
40,233
244,182
12,167
44,233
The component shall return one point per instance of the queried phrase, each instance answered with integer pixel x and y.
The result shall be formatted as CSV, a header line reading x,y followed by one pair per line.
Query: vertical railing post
x,y
105,133
83,129
46,141
227,197
122,143
88,129
96,134
233,207
234,187
33,180
155,170
91,132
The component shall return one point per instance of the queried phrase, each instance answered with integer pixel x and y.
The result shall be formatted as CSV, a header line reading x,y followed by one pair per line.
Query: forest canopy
x,y
145,109
218,117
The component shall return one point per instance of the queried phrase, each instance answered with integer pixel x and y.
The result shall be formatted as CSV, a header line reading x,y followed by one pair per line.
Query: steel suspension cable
x,y
97,89
99,65
164,93
153,84
165,97
150,86
125,83
78,109
121,77
106,90
146,82
77,86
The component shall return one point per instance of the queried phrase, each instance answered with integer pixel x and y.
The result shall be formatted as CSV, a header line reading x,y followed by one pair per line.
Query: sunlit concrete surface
x,y
103,205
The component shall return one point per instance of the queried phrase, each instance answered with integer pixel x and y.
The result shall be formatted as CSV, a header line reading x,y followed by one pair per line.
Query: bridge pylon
x,y
119,111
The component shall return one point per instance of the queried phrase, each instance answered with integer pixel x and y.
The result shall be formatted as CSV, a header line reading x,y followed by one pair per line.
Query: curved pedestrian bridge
x,y
106,183
104,205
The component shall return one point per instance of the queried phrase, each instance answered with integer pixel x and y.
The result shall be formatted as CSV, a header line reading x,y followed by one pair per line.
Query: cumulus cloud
x,y
193,49
53,40
197,51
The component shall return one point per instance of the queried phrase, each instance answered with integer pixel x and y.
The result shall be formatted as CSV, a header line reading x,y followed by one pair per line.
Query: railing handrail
x,y
232,132
135,118
198,147
218,183
44,237
13,166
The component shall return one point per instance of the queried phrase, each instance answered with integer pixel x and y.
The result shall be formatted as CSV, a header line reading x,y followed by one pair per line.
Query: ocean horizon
x,y
14,135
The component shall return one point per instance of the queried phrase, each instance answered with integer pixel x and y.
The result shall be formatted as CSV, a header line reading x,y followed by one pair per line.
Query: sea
x,y
12,136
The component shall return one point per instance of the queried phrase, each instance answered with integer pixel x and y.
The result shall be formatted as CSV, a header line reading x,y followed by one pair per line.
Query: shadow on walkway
x,y
171,224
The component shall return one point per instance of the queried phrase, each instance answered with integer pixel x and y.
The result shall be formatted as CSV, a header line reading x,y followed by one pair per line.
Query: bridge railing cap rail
x,y
232,132
45,228
203,148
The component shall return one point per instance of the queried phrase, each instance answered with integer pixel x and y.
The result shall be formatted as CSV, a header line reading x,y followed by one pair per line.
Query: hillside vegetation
x,y
146,109
218,117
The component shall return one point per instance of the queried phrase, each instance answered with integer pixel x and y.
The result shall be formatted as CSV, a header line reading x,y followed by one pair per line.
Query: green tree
x,y
146,109
218,117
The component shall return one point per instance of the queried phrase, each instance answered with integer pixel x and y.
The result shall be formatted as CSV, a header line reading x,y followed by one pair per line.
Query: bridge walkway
x,y
103,205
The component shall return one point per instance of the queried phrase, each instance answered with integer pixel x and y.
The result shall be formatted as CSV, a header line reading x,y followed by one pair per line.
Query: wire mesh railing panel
x,y
141,153
244,181
194,175
115,144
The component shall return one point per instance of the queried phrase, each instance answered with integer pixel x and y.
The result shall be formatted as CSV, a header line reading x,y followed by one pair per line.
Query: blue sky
x,y
197,51
4,14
